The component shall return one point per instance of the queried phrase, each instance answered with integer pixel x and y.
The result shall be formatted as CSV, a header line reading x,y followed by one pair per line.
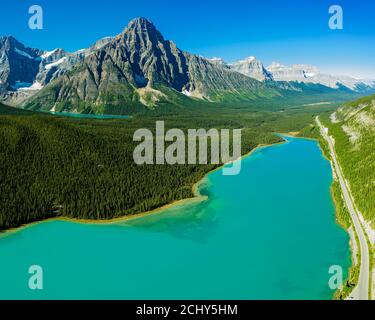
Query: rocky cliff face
x,y
25,71
218,62
296,72
253,68
140,69
18,65
139,62
311,74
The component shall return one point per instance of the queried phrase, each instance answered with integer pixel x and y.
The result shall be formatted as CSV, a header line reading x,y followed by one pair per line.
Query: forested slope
x,y
353,129
58,166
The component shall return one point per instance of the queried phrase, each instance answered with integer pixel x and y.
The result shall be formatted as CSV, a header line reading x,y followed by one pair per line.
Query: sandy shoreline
x,y
198,197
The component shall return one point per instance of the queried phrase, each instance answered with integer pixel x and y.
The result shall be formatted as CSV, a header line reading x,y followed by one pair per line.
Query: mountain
x,y
18,64
298,73
58,62
253,68
311,74
218,61
138,68
25,71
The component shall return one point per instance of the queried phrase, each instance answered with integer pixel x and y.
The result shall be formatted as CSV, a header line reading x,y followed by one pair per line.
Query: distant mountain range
x,y
254,68
139,69
311,74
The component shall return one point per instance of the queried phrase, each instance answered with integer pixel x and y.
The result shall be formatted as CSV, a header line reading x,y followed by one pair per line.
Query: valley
x,y
84,168
80,140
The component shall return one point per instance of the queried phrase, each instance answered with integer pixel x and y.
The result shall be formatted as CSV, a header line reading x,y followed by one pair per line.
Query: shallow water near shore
x,y
268,233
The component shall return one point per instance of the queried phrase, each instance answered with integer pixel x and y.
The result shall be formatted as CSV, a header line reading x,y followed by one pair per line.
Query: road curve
x,y
361,291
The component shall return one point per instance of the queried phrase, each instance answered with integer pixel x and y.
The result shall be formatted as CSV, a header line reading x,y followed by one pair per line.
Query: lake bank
x,y
256,236
343,218
196,198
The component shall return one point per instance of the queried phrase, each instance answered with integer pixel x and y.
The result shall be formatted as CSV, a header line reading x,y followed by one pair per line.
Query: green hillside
x,y
6,110
80,168
353,128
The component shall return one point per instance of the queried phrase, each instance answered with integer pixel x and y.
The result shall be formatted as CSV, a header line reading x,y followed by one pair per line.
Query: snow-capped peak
x,y
252,68
275,65
249,59
311,74
217,61
48,54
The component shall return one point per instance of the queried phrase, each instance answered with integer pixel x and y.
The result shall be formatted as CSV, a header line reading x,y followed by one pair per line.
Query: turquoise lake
x,y
268,233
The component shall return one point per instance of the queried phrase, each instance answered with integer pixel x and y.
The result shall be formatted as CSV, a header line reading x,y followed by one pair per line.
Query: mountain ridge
x,y
139,62
304,73
139,69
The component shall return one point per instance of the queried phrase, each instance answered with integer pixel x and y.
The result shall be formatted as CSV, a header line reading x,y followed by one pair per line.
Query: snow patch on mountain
x,y
25,54
55,64
48,54
252,68
217,61
311,74
35,86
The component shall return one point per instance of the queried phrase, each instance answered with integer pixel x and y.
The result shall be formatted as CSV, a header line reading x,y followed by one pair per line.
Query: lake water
x,y
268,233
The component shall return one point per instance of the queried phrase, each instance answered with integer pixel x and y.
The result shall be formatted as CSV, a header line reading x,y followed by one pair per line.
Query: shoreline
x,y
352,245
197,197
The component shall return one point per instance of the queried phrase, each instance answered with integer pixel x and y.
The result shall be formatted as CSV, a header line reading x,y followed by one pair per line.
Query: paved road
x,y
361,291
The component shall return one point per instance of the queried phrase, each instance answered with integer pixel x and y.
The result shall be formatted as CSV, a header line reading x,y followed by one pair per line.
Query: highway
x,y
361,291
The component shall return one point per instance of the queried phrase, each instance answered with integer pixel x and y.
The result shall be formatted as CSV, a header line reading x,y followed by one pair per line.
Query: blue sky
x,y
285,31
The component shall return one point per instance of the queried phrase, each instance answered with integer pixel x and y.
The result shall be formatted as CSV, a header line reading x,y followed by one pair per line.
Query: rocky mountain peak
x,y
275,65
140,22
252,68
311,74
249,59
18,64
137,68
301,69
9,41
140,29
54,55
217,61
10,45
